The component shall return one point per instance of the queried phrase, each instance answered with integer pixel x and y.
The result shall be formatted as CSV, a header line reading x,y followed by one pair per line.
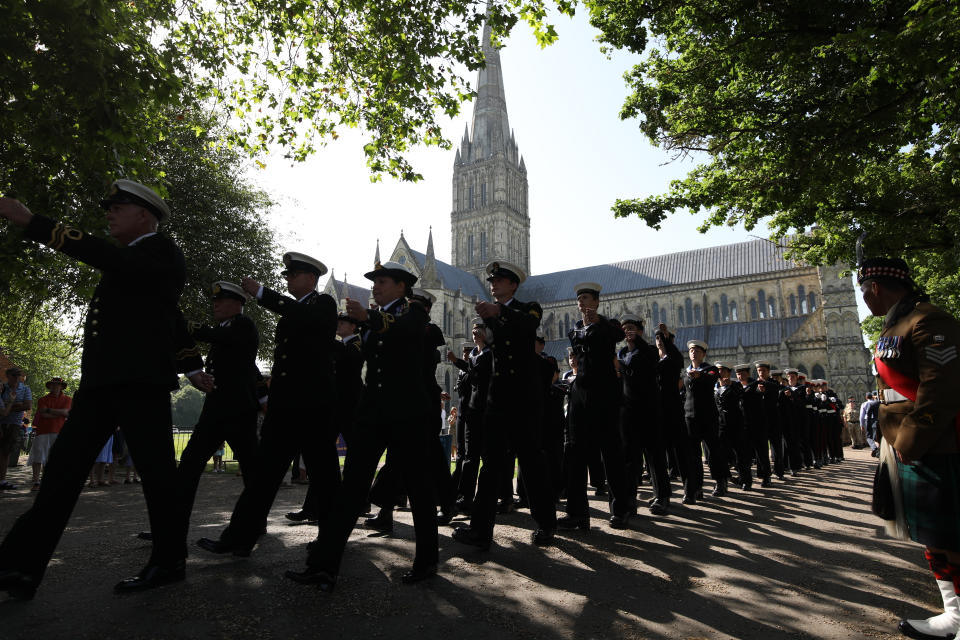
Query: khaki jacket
x,y
927,351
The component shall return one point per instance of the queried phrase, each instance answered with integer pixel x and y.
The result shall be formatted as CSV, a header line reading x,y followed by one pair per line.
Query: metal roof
x,y
453,278
750,334
684,267
352,291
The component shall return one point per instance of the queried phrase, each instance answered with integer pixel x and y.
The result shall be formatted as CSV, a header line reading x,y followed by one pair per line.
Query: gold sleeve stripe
x,y
61,233
535,313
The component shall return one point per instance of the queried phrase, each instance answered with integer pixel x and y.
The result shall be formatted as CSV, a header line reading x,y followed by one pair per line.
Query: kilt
x,y
931,500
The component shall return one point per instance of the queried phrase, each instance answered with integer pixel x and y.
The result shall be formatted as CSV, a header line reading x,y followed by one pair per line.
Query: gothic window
x,y
470,249
818,372
793,305
697,317
679,316
762,303
753,309
402,259
733,311
724,307
560,327
470,197
566,323
483,194
802,295
466,325
813,301
446,316
771,307
483,247
688,310
663,316
656,311
448,321
716,313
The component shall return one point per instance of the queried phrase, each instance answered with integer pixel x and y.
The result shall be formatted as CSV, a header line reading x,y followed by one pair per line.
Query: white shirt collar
x,y
146,235
304,297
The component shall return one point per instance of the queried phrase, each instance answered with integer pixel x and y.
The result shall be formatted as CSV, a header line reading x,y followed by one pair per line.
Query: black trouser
x,y
716,448
738,442
806,438
642,437
820,436
512,430
238,429
791,433
594,423
143,414
411,453
775,433
689,450
285,431
757,445
458,459
834,435
472,452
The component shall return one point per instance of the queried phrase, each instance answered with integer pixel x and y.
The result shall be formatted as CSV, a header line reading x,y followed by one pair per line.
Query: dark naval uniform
x,y
512,419
641,418
700,410
732,432
229,410
770,391
392,417
478,376
302,399
669,369
133,334
755,429
794,410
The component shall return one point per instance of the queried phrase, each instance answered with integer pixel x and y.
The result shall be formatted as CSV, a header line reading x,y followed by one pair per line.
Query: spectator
x,y
52,411
868,422
17,398
851,420
103,459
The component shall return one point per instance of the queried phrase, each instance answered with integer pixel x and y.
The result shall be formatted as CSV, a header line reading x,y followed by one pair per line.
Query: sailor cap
x,y
128,191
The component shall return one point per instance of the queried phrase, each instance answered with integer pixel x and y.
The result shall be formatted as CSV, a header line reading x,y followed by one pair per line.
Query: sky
x,y
563,103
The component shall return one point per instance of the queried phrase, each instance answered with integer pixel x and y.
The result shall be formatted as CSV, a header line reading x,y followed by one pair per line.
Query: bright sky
x,y
563,103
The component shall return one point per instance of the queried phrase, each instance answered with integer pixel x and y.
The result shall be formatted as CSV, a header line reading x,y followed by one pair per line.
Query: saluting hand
x,y
356,311
250,285
15,211
487,310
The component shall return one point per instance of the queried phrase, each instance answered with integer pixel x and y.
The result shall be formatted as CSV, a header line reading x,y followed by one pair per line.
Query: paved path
x,y
804,559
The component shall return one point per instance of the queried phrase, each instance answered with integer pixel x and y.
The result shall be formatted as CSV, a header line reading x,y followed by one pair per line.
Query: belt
x,y
889,396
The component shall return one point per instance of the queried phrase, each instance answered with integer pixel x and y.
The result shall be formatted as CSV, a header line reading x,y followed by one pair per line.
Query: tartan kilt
x,y
931,500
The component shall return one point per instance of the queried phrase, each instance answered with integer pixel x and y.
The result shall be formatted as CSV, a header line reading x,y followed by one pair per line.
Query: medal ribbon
x,y
904,385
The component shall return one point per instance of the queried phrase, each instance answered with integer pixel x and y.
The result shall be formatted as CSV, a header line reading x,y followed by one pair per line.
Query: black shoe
x,y
323,580
569,522
145,535
721,489
444,516
380,522
418,574
910,631
766,482
521,504
700,494
542,537
746,486
659,508
151,577
689,498
467,535
619,522
18,585
300,516
780,477
601,491
794,473
221,547
505,506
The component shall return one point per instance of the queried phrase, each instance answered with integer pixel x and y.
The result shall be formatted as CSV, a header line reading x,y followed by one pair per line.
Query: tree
x,y
185,405
42,350
827,117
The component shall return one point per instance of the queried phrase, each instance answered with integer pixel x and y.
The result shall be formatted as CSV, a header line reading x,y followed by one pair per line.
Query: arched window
x,y
813,301
771,307
733,311
818,372
802,296
483,247
724,307
697,316
560,332
716,313
688,310
466,325
793,305
762,303
566,322
446,319
679,316
656,311
753,309
663,316
802,369
470,249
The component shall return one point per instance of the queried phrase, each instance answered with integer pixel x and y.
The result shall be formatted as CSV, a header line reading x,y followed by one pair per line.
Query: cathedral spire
x,y
491,128
376,257
430,278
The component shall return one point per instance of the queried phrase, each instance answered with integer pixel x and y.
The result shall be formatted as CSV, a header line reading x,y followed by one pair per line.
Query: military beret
x,y
697,343
224,289
393,270
504,269
130,192
302,262
588,287
894,268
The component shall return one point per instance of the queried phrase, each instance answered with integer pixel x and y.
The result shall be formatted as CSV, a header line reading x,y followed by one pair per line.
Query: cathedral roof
x,y
453,278
684,267
753,333
343,290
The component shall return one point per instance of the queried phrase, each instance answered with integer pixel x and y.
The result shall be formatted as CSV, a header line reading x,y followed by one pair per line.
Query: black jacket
x,y
305,342
638,376
729,409
134,331
699,402
596,347
515,368
232,361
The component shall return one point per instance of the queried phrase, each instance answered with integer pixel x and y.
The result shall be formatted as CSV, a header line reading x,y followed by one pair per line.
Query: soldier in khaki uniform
x,y
919,374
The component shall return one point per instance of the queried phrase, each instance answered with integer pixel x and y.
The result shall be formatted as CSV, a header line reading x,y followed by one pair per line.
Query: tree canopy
x,y
828,117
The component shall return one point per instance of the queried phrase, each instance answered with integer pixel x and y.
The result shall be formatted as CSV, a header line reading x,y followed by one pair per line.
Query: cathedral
x,y
745,300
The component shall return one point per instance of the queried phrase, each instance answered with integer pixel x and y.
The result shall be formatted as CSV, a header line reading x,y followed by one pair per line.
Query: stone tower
x,y
848,360
489,218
